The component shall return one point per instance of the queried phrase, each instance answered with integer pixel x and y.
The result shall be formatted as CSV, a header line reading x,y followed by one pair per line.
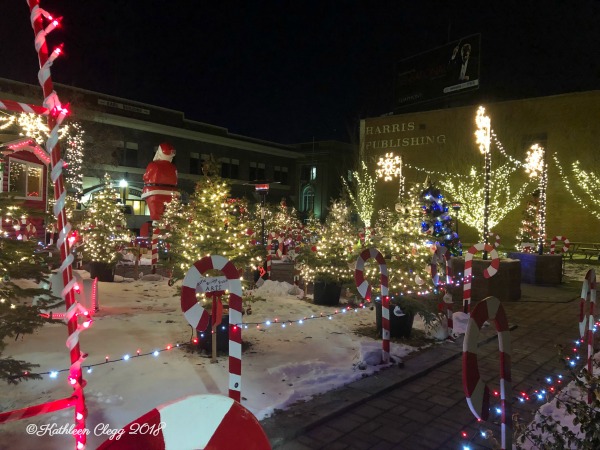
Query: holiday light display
x,y
469,190
390,167
482,136
104,229
330,256
364,197
476,391
436,221
210,224
527,234
536,167
43,23
588,190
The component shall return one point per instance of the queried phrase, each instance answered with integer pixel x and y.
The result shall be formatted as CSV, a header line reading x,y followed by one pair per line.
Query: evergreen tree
x,y
528,231
104,228
18,314
334,249
436,221
212,223
405,249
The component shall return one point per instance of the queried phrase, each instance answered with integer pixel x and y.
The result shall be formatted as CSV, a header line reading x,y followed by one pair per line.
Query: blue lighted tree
x,y
437,221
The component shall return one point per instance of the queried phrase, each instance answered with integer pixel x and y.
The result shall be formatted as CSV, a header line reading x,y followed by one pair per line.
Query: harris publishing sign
x,y
449,69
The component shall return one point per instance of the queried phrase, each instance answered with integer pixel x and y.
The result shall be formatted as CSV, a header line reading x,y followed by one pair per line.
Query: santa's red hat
x,y
167,149
165,152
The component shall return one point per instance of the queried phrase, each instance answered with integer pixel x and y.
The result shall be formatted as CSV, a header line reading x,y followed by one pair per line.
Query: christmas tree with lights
x,y
528,231
436,221
405,249
328,261
104,230
212,223
18,314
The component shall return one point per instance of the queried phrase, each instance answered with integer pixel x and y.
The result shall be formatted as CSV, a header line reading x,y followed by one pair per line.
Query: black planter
x,y
205,337
327,294
103,271
400,326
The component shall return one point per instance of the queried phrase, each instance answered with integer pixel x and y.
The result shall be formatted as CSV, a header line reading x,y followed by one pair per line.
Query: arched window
x,y
308,199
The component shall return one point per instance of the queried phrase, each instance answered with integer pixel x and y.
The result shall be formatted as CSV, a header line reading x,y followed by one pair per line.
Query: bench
x,y
589,253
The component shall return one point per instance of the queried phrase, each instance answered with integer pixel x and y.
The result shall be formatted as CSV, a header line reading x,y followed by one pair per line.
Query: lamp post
x,y
389,167
261,187
123,186
536,166
482,136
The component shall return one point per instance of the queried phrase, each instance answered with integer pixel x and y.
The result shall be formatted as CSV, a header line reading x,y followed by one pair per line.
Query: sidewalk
x,y
421,405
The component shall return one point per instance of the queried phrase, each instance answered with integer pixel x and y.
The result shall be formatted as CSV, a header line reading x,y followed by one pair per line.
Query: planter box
x,y
102,271
400,326
327,294
539,269
505,285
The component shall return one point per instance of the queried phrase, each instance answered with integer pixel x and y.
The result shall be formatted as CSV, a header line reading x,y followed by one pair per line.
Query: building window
x,y
196,161
308,173
257,171
230,168
127,153
308,199
25,179
280,174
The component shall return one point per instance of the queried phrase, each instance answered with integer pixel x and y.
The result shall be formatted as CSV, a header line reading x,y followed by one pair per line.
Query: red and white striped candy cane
x,y
586,316
154,245
496,237
11,105
55,118
446,306
468,273
197,317
364,289
556,239
476,391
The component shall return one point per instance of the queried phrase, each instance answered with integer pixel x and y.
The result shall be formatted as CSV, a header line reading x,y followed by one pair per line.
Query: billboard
x,y
449,69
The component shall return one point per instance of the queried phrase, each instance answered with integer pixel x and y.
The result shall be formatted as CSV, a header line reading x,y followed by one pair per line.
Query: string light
x,y
364,198
536,167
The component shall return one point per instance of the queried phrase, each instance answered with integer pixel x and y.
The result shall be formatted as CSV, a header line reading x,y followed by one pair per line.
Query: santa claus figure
x,y
160,181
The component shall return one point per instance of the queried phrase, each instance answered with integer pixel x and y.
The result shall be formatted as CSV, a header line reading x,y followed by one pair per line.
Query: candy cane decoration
x,y
564,240
364,289
497,237
198,317
154,245
11,105
586,318
468,273
476,391
55,118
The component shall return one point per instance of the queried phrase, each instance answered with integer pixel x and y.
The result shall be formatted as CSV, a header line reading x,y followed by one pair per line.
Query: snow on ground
x,y
282,365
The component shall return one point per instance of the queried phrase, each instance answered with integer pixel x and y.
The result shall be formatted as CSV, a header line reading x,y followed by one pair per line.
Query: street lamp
x,y
261,187
482,136
123,185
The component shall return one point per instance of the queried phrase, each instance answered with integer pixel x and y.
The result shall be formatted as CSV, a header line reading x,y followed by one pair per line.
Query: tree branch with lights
x,y
363,194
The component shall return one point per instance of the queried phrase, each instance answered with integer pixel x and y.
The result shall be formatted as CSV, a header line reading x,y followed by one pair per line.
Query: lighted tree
x,y
210,224
528,230
74,152
18,316
362,194
334,248
405,249
436,221
586,189
506,194
104,227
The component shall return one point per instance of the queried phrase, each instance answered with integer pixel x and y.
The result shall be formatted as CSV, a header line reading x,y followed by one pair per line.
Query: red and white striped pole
x,y
57,114
468,272
155,235
10,105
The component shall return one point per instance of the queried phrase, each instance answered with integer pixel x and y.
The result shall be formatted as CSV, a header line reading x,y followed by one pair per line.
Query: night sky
x,y
288,71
